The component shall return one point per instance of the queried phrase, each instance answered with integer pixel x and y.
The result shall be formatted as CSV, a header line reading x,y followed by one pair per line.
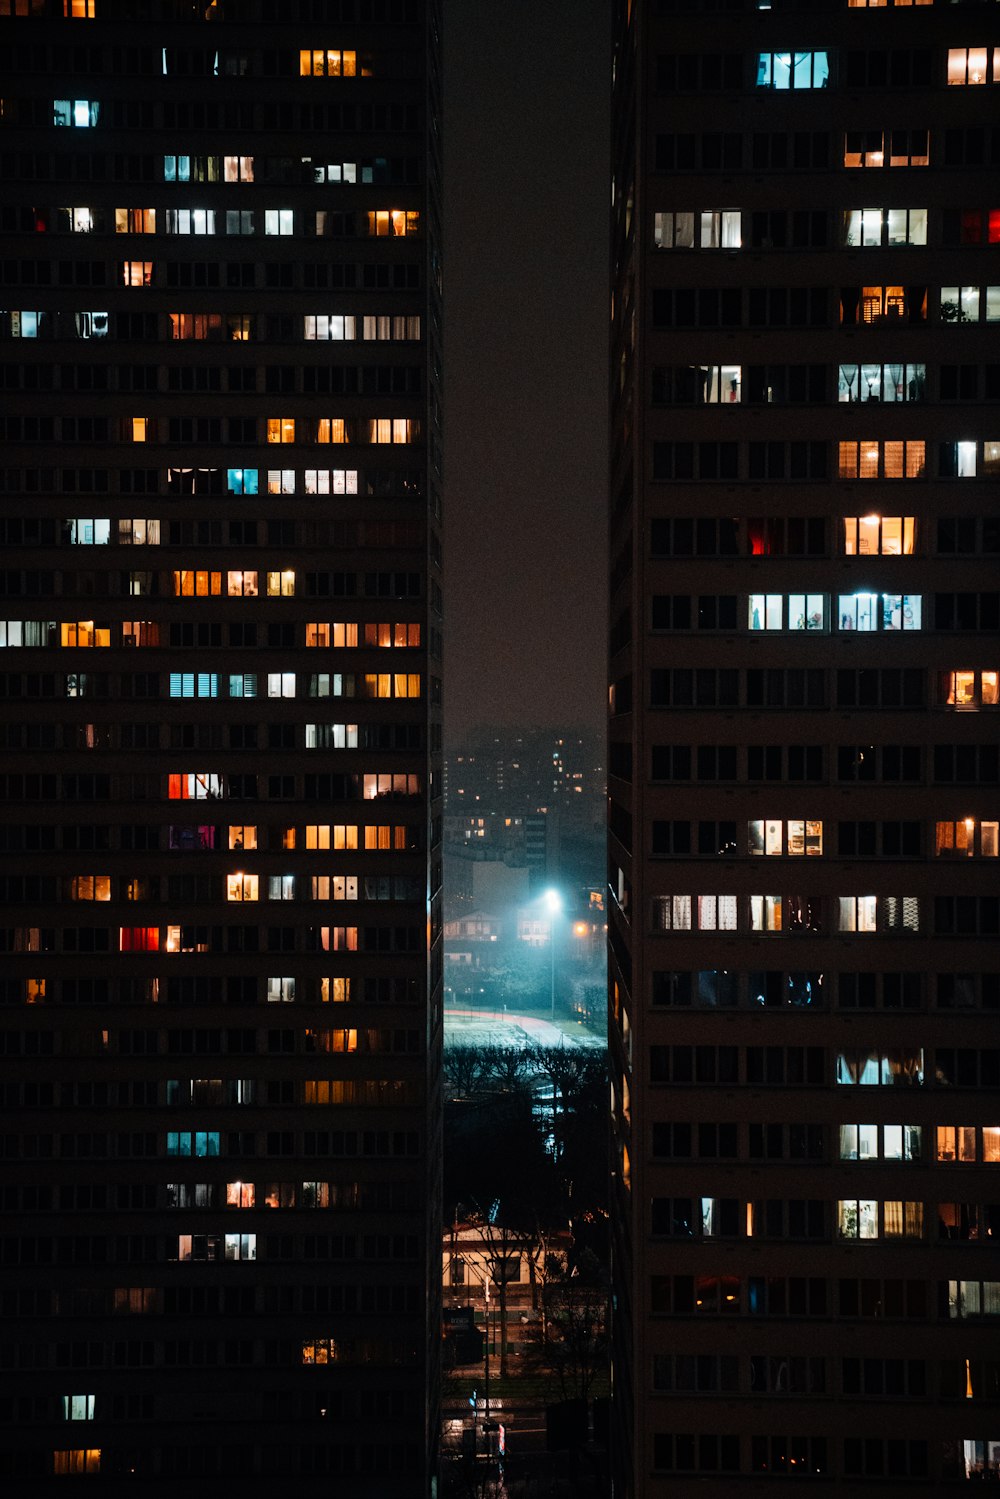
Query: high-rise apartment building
x,y
220,665
804,753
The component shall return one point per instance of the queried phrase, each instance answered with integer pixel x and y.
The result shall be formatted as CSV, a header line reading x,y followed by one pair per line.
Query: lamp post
x,y
553,901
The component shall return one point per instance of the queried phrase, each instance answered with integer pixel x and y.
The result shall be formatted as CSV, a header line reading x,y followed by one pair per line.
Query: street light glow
x,y
553,900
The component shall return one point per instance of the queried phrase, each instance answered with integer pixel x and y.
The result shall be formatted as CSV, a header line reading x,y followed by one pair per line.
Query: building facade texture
x,y
220,813
805,683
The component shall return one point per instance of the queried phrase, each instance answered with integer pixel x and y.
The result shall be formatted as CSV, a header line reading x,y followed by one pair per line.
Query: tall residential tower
x,y
220,815
804,774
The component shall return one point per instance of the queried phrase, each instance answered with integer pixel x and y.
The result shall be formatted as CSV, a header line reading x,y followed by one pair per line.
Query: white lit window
x,y
794,611
328,326
242,887
79,112
765,913
891,226
856,913
280,991
78,1407
882,382
872,611
278,221
281,684
281,887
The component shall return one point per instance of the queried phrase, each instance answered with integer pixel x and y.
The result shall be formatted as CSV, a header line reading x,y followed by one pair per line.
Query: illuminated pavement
x,y
463,1027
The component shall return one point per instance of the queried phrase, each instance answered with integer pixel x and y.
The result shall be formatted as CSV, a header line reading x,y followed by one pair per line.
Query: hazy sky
x,y
526,302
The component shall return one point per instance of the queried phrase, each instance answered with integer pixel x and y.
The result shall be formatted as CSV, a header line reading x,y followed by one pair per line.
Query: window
x,y
708,229
883,913
879,535
242,835
75,1460
793,70
880,1142
189,220
879,148
882,382
973,65
886,460
78,1407
279,221
966,838
129,220
968,1142
698,385
330,62
79,112
392,223
867,1218
873,611
281,585
970,689
792,837
281,429
793,611
972,1298
872,1068
869,227
967,304
958,460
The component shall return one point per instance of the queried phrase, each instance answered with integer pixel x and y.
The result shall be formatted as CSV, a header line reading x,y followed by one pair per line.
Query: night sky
x,y
526,307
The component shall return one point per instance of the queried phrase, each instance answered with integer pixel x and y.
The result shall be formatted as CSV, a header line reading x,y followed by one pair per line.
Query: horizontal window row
x,y
236,887
820,69
709,687
814,1296
707,1218
876,458
203,989
803,837
361,431
819,150
206,1041
147,1145
208,939
726,988
212,786
946,1143
732,229
872,534
212,327
790,307
795,914
791,1375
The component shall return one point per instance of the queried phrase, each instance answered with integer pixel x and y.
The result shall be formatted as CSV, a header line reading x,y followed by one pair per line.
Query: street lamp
x,y
553,901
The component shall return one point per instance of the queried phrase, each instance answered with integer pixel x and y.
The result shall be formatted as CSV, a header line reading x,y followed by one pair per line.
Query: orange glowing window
x,y
137,273
281,429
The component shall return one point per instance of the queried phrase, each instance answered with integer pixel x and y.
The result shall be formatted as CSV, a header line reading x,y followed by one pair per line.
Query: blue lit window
x,y
241,480
786,70
243,684
177,169
194,684
79,112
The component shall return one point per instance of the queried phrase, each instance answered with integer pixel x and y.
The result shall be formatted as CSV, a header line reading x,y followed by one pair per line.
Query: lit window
x,y
242,480
75,1460
899,1142
241,583
329,62
281,429
793,837
281,887
84,632
958,460
330,481
969,65
879,535
132,220
78,1407
331,429
970,688
194,786
793,70
328,326
242,835
281,584
395,223
140,426
856,913
873,611
882,382
793,611
278,221
890,226
242,887
79,112
237,168
335,990
189,221
243,684
888,460
240,1194
90,887
281,684
79,10
196,584
966,838
716,229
